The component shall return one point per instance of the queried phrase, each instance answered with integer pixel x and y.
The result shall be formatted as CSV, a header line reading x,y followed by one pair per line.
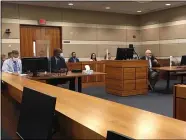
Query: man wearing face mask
x,y
73,59
58,65
58,62
13,65
153,62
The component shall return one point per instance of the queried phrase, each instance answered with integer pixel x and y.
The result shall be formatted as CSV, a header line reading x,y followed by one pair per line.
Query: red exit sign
x,y
42,21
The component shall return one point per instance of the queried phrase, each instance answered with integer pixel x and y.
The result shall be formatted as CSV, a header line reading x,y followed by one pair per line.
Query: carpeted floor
x,y
157,102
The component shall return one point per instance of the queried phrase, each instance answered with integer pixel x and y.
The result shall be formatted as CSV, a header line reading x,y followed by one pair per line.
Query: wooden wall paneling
x,y
28,34
129,74
26,41
129,85
92,67
100,68
179,102
181,109
114,73
85,78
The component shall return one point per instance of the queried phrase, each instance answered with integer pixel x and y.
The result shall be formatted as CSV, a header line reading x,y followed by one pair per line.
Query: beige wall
x,y
89,31
166,30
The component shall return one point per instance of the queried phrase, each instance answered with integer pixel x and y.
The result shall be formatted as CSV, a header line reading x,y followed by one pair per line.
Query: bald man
x,y
153,62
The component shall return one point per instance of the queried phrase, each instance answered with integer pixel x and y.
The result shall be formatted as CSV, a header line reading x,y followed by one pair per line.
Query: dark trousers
x,y
153,77
56,82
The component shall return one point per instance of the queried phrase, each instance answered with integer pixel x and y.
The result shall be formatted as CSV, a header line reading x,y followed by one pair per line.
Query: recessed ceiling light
x,y
167,4
139,11
70,4
107,7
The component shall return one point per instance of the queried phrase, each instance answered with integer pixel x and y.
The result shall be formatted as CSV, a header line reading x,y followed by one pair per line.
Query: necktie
x,y
15,66
74,60
150,64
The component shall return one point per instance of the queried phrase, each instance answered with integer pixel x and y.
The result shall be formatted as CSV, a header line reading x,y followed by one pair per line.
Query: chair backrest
x,y
36,115
183,60
111,135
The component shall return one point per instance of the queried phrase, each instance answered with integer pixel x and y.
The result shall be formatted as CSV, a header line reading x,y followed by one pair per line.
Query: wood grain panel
x,y
181,92
129,70
72,66
129,85
141,75
9,116
181,109
28,34
114,73
26,41
101,68
143,69
100,115
127,92
141,84
112,84
129,76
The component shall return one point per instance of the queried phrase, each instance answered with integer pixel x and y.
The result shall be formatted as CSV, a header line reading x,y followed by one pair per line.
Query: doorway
x,y
39,40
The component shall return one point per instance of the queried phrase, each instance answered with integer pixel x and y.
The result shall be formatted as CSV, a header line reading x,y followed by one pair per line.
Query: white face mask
x,y
61,54
15,59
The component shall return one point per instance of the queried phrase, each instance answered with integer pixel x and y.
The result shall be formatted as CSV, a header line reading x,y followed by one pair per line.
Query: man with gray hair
x,y
153,62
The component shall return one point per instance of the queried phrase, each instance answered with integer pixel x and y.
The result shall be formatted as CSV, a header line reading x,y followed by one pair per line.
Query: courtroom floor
x,y
156,102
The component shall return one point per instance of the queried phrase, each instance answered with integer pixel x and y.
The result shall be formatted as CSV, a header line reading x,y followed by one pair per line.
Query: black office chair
x,y
181,74
37,118
111,135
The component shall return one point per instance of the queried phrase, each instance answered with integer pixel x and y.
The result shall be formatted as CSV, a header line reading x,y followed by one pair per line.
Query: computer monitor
x,y
124,53
111,135
183,60
35,64
36,115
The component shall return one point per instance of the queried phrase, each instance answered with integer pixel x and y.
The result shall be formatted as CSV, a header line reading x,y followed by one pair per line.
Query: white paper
x,y
87,67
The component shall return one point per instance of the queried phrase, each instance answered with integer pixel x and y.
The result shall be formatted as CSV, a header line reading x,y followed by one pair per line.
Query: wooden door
x,y
29,34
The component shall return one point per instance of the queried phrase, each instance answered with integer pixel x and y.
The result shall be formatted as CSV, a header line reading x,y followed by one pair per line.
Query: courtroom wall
x,y
87,31
164,32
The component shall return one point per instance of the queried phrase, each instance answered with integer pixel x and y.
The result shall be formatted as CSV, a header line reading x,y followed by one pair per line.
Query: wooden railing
x,y
98,66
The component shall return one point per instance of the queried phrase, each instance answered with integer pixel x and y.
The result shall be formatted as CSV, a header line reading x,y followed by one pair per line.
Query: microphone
x,y
132,47
136,54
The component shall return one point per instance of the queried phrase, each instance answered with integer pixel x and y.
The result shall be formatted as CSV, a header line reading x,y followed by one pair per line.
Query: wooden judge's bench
x,y
123,78
126,78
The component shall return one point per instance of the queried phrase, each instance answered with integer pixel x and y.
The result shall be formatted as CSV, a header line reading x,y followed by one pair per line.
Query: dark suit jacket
x,y
154,64
56,66
71,59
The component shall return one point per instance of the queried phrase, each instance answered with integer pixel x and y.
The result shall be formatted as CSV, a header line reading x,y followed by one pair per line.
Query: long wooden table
x,y
71,76
169,69
180,102
85,117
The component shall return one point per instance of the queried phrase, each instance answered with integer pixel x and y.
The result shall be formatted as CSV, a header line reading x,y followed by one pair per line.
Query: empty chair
x,y
111,135
37,115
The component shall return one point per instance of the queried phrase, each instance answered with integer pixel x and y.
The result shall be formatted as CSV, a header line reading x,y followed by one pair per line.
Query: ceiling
x,y
128,7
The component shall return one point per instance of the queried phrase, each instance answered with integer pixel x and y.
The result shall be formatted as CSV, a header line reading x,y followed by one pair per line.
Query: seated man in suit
x,y
58,62
153,75
58,65
13,65
73,59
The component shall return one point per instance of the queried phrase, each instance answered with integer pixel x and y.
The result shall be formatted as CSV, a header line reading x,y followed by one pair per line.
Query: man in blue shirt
x,y
73,59
13,65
